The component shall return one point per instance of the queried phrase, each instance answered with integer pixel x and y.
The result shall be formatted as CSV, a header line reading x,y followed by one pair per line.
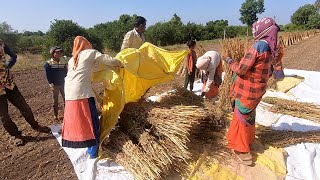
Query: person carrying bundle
x,y
249,85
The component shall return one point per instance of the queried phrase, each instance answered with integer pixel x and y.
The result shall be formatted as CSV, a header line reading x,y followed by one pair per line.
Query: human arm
x,y
13,56
106,59
245,63
48,71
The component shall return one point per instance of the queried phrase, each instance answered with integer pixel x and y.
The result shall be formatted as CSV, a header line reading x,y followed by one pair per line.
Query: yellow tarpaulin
x,y
147,66
143,68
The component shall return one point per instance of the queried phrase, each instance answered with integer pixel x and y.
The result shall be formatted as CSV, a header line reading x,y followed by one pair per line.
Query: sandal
x,y
18,141
244,158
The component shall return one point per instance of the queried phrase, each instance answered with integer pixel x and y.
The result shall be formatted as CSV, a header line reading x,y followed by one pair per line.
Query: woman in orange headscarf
x,y
81,123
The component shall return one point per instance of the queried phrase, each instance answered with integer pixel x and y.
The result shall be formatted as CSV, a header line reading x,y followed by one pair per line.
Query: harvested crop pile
x,y
283,139
151,139
294,108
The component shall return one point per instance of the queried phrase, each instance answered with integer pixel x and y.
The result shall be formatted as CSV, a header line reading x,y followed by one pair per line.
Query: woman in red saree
x,y
249,85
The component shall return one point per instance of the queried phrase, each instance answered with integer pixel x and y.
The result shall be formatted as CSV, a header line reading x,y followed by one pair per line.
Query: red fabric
x,y
214,90
77,122
253,72
240,136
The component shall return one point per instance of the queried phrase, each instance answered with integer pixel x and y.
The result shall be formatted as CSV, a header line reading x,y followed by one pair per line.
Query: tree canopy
x,y
249,10
307,16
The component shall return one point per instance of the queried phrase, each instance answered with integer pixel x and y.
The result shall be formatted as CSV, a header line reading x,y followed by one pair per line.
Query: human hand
x,y
114,63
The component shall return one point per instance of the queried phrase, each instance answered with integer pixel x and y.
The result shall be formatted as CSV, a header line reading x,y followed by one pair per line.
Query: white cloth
x,y
92,169
78,81
209,63
132,40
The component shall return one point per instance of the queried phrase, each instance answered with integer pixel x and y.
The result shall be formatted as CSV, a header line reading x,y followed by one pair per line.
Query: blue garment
x,y
56,72
93,150
13,56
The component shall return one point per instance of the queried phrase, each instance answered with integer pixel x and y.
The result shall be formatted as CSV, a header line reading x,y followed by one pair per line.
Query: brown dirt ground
x,y
43,158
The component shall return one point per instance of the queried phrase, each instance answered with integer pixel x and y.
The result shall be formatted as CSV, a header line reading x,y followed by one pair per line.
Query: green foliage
x,y
32,43
314,21
317,5
8,35
215,29
249,10
192,30
234,31
29,33
303,14
292,27
112,33
62,33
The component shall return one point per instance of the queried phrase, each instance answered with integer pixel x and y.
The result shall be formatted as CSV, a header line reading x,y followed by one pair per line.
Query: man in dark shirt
x,y
9,91
56,71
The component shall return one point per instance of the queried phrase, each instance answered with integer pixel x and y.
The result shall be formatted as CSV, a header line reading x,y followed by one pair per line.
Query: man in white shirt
x,y
135,37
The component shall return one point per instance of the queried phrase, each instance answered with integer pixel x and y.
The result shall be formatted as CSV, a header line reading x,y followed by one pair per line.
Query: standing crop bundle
x,y
234,48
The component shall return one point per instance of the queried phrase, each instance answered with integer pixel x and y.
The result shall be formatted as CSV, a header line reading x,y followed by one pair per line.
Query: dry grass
x,y
167,135
294,108
283,139
28,61
234,48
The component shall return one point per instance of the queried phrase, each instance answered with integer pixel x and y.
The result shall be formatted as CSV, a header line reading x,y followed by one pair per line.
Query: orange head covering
x,y
79,44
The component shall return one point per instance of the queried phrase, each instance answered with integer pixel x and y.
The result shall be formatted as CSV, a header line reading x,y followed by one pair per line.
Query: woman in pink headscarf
x,y
249,85
80,127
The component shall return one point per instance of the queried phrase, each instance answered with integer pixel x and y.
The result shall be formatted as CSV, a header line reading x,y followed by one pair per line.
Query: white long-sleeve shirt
x,y
209,63
78,81
132,40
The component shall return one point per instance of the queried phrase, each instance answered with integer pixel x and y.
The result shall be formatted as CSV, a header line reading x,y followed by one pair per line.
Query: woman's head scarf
x,y
79,44
266,29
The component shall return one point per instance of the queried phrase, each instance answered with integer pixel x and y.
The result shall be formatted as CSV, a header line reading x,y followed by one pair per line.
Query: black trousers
x,y
190,79
16,98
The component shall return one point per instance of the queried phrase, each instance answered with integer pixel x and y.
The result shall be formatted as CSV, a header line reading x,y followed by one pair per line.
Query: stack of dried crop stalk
x,y
294,108
283,139
234,48
151,138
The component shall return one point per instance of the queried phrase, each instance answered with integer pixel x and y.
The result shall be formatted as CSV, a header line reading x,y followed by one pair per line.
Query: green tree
x,y
317,5
303,16
314,21
112,33
62,33
249,10
9,36
215,29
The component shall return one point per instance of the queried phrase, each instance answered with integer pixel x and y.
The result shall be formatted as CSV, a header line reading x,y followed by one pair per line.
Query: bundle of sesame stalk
x,y
281,139
151,138
294,108
235,49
